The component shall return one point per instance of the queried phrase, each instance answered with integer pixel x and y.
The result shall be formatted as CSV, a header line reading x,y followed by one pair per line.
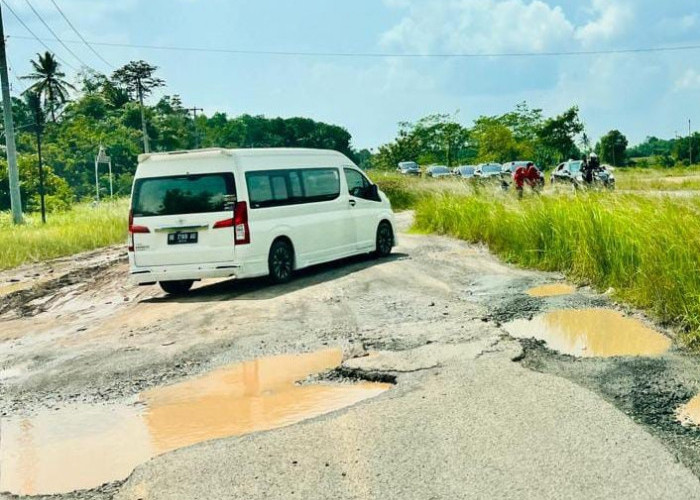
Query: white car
x,y
248,213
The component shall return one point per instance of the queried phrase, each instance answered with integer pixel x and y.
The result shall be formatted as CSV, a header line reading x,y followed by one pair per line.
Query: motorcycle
x,y
602,179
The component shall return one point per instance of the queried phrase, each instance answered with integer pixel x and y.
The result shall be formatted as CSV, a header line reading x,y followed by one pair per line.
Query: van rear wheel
x,y
281,262
385,240
180,287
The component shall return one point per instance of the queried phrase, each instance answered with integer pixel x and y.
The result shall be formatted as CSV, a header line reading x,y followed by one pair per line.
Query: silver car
x,y
465,171
489,171
436,171
408,168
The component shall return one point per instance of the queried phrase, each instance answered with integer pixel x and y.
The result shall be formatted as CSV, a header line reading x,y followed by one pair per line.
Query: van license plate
x,y
182,238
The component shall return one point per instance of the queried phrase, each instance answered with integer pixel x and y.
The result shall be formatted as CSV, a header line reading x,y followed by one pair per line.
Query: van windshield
x,y
184,194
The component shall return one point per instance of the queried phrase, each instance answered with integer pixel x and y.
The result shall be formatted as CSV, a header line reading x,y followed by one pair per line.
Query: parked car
x,y
245,213
511,167
489,171
465,171
436,171
408,168
568,172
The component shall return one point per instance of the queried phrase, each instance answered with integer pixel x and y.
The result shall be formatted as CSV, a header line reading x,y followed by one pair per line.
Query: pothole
x,y
83,447
554,290
592,333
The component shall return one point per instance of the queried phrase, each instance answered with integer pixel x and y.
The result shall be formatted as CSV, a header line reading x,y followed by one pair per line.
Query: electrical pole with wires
x,y
194,121
15,196
690,144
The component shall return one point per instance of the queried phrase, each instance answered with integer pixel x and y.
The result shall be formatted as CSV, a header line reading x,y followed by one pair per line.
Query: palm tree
x,y
48,82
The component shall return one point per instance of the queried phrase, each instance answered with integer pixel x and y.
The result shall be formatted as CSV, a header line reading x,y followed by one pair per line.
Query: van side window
x,y
320,184
279,188
360,187
259,188
357,183
295,185
276,188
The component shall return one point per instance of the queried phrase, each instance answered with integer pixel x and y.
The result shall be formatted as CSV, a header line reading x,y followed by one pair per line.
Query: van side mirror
x,y
372,192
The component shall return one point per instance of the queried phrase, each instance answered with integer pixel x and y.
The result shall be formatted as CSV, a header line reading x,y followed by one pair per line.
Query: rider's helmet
x,y
593,155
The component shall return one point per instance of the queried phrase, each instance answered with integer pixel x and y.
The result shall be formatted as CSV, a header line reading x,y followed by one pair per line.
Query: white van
x,y
245,213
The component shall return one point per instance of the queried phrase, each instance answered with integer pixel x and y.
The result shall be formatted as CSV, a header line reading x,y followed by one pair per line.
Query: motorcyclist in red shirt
x,y
527,174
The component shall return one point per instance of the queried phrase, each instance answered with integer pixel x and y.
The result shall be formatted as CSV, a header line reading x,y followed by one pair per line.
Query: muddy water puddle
x,y
592,333
689,414
83,447
15,287
554,290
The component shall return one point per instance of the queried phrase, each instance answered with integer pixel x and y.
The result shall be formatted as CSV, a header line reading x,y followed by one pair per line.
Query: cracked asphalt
x,y
474,413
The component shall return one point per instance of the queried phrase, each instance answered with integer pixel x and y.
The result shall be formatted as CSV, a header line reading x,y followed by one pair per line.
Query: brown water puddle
x,y
83,447
16,287
592,333
689,414
554,290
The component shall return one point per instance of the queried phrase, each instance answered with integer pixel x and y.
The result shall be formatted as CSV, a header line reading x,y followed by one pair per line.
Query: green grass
x,y
669,179
647,249
82,228
405,192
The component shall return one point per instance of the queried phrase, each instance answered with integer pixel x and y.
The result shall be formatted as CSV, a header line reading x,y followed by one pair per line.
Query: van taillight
x,y
241,229
239,223
135,230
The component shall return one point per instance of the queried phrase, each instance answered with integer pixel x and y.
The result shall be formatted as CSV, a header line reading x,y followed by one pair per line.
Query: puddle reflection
x,y
592,333
84,447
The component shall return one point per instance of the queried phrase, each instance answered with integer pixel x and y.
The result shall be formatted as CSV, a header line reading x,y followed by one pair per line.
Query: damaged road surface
x,y
362,379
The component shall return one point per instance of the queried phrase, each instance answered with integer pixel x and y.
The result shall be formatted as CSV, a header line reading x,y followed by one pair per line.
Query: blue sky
x,y
640,94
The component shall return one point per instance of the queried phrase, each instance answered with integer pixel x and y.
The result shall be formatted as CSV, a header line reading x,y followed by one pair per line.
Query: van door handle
x,y
353,203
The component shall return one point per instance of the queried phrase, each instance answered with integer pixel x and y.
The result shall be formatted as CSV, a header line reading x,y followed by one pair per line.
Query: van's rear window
x,y
184,194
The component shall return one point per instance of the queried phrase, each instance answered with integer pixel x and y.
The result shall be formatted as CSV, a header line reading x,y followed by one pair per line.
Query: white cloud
x,y
679,24
613,19
478,26
690,80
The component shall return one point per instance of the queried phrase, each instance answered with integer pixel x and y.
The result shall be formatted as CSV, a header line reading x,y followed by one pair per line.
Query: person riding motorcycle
x,y
588,168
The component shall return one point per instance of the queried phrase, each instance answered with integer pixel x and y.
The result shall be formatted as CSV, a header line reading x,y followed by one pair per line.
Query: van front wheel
x,y
176,287
281,262
385,240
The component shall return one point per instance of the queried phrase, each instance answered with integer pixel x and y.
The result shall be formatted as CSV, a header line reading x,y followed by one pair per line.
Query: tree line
x,y
525,134
113,111
522,134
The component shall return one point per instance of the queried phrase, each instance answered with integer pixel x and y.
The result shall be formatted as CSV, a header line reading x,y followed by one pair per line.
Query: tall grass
x,y
406,191
668,179
647,249
82,228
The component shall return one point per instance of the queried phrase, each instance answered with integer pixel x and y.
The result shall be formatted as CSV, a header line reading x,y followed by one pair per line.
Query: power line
x,y
680,48
34,37
89,46
55,35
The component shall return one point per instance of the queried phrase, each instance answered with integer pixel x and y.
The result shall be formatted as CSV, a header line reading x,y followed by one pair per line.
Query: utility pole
x,y
146,142
194,120
690,144
39,120
15,196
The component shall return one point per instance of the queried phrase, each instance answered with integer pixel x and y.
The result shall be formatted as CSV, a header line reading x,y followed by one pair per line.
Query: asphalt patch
x,y
648,390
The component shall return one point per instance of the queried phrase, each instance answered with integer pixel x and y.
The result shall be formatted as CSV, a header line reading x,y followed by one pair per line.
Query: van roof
x,y
239,153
